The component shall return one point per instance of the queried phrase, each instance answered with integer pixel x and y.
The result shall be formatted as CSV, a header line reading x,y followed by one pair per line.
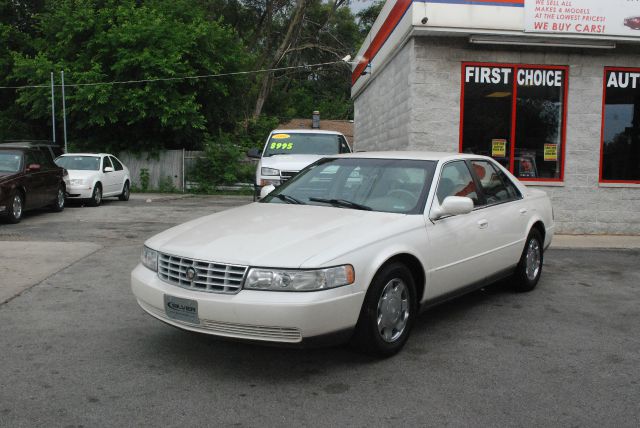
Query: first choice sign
x,y
524,76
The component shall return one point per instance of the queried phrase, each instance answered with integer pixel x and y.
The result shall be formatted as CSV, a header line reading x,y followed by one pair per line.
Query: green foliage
x,y
126,40
220,164
144,179
165,185
115,40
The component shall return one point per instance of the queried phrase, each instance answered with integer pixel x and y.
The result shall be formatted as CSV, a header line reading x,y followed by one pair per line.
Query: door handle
x,y
523,211
482,224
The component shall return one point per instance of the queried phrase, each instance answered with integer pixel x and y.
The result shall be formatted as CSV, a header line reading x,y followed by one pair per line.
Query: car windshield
x,y
10,161
304,144
386,185
83,163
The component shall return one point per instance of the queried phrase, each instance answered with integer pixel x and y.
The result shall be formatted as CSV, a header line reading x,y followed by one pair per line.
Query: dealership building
x,y
548,88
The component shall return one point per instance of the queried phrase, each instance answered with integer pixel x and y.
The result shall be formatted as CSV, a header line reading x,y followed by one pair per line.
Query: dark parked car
x,y
633,22
28,180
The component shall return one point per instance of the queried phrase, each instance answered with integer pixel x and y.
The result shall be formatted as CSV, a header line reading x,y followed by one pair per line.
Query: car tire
x,y
58,205
529,267
387,313
96,196
126,191
16,208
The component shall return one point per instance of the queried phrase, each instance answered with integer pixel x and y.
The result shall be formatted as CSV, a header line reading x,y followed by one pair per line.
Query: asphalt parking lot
x,y
77,351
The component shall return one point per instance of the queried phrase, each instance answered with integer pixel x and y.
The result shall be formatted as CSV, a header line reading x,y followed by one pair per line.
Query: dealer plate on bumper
x,y
181,309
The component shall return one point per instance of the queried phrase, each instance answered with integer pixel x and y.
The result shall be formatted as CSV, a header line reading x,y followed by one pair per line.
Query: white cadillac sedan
x,y
93,176
352,248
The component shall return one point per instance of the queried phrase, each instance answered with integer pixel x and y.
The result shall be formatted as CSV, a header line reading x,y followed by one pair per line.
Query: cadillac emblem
x,y
191,274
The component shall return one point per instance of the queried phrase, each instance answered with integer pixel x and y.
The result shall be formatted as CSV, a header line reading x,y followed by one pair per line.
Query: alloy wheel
x,y
533,259
393,310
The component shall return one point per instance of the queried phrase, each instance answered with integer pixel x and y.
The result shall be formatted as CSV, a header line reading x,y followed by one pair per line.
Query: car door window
x,y
456,180
29,159
106,163
116,163
493,187
344,147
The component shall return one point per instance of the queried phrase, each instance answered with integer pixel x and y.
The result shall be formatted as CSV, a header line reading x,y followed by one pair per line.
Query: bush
x,y
220,165
144,179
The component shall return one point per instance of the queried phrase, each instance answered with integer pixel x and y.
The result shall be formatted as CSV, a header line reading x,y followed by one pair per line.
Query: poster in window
x,y
550,152
499,148
527,165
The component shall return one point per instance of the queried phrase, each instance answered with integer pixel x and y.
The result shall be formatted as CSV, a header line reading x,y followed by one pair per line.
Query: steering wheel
x,y
403,194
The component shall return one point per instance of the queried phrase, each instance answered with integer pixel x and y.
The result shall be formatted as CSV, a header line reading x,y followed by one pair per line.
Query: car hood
x,y
280,235
290,162
80,173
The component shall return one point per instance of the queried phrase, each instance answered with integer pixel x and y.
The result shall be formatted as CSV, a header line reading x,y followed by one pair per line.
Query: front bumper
x,y
79,192
267,316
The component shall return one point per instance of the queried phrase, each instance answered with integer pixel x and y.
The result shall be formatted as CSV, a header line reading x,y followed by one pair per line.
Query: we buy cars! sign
x,y
586,17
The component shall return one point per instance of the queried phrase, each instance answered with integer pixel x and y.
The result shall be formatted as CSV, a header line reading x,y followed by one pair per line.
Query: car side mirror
x,y
254,153
33,167
266,190
453,205
108,169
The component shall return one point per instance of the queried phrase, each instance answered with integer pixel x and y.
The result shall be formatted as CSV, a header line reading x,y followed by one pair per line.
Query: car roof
x,y
86,154
413,155
304,131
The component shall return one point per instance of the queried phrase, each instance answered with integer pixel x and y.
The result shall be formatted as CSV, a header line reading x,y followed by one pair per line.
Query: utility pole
x,y
64,113
53,111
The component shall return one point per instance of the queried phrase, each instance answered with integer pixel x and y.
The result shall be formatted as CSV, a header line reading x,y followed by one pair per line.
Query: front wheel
x,y
58,205
124,196
96,196
387,313
529,268
16,208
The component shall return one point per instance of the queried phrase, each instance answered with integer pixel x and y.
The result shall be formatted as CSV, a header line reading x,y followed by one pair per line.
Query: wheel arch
x,y
415,267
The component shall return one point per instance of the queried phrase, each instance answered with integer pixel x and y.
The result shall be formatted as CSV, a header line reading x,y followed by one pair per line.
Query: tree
x,y
110,40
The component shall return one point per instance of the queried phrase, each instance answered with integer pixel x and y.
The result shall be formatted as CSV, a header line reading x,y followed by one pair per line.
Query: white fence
x,y
167,167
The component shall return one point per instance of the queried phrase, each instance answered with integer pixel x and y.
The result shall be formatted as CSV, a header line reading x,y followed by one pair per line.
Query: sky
x,y
357,5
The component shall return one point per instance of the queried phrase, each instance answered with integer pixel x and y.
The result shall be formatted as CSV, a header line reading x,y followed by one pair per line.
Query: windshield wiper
x,y
343,203
289,199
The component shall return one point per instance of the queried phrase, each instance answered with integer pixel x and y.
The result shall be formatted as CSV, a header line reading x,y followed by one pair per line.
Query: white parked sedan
x,y
93,176
352,248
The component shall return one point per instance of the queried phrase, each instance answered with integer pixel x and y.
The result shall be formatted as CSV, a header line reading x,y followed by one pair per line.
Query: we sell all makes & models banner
x,y
587,17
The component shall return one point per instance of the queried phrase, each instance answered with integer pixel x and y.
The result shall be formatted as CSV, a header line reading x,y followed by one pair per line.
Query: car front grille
x,y
235,330
209,276
286,175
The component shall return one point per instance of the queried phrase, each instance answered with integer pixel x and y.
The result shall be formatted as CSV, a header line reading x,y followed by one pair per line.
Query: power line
x,y
167,79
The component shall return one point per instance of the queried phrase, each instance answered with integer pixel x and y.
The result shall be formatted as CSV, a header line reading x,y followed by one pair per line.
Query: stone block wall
x,y
382,113
432,121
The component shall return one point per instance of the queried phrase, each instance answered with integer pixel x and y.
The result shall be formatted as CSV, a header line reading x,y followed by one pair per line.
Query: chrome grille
x,y
209,276
286,175
227,329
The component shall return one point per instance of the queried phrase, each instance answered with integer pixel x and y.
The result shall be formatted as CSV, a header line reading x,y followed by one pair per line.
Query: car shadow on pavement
x,y
216,357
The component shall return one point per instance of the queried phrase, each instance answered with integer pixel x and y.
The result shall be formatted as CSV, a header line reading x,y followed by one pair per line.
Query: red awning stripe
x,y
396,14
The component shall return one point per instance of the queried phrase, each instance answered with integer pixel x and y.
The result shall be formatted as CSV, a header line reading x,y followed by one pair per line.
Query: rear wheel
x,y
96,196
387,313
15,208
124,196
58,205
529,268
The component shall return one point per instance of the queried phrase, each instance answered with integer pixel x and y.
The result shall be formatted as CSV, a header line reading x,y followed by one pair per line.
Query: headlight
x,y
299,280
77,181
149,258
269,171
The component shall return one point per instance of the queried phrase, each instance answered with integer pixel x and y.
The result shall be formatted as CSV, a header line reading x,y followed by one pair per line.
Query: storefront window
x,y
621,126
516,114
